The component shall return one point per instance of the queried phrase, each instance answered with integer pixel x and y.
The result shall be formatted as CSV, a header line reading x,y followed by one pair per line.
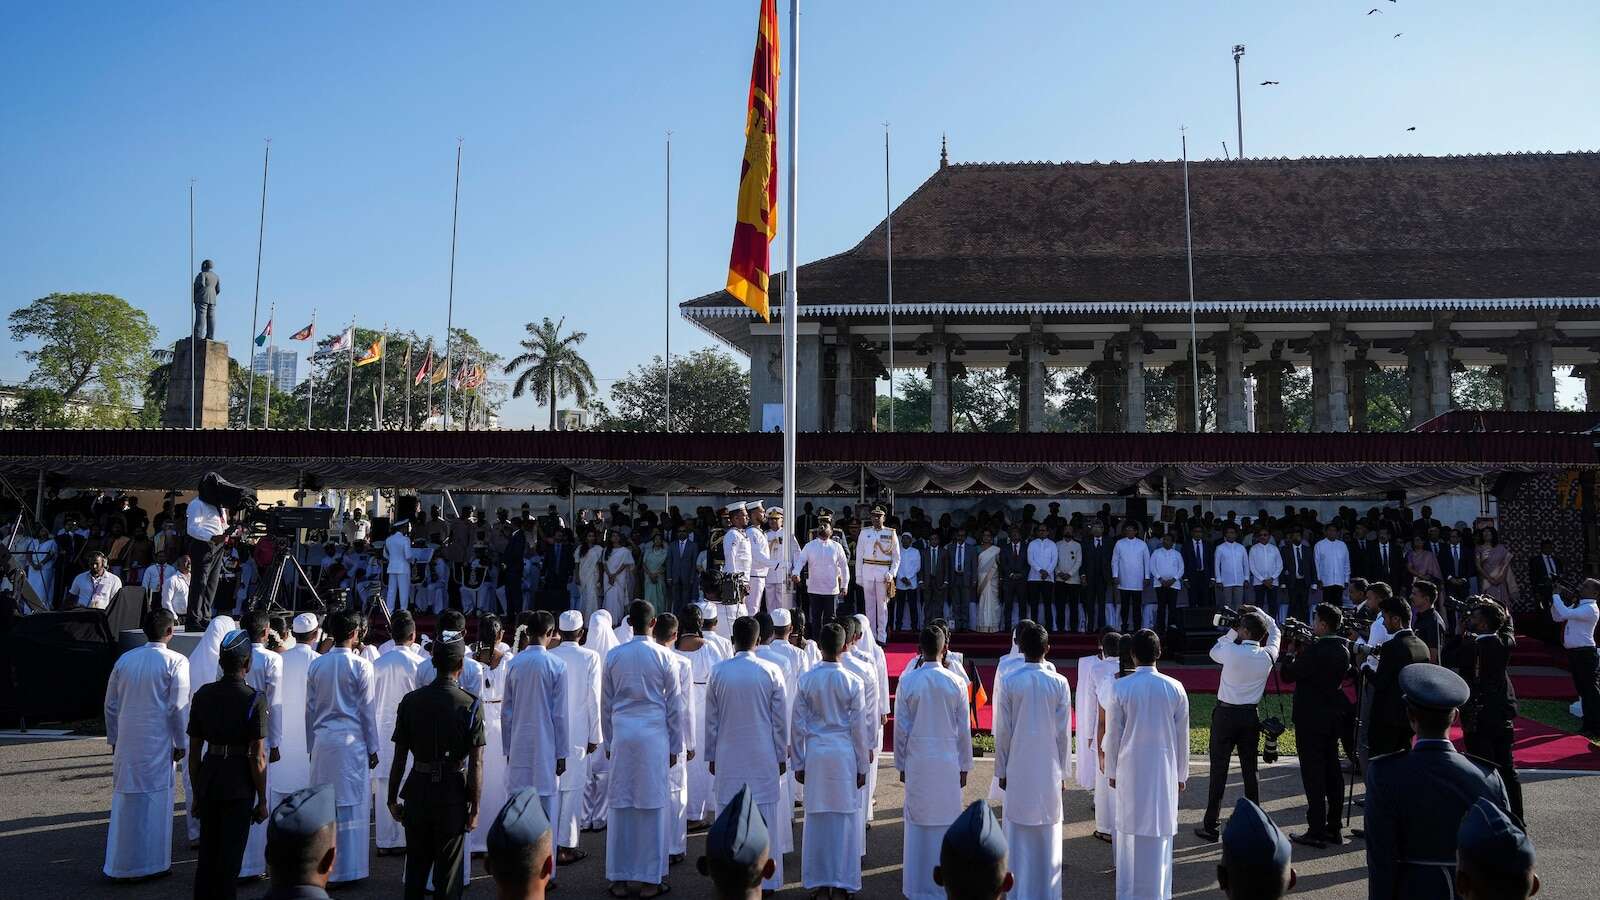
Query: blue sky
x,y
110,109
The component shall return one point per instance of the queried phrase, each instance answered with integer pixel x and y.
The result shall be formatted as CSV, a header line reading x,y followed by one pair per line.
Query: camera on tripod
x,y
1272,728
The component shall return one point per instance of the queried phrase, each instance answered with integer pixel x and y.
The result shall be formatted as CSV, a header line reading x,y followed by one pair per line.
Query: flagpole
x,y
383,374
349,374
450,302
255,306
888,257
408,385
272,339
192,348
790,298
311,382
668,286
1188,242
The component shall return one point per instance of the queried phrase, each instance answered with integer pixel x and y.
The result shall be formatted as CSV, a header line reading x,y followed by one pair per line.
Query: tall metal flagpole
x,y
272,339
1188,243
349,373
668,423
408,386
255,306
888,256
1238,96
383,374
192,348
791,304
311,379
450,303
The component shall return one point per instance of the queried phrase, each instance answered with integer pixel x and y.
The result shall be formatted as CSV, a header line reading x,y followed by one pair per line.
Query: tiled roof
x,y
1501,226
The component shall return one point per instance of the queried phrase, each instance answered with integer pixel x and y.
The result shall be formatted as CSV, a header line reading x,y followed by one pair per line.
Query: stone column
x,y
1107,413
1519,396
1355,373
808,377
939,377
1133,417
844,383
1439,371
1033,398
1541,370
864,389
1229,349
1330,399
766,375
1417,375
1269,394
1182,375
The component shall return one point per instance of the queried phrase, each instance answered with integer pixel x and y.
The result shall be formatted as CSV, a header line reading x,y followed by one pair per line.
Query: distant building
x,y
284,366
572,419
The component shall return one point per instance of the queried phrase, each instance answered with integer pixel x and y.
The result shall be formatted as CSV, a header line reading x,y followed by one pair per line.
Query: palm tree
x,y
551,366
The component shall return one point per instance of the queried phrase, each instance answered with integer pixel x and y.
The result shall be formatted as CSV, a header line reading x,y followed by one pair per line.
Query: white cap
x,y
774,511
708,610
735,506
780,618
305,623
755,504
571,620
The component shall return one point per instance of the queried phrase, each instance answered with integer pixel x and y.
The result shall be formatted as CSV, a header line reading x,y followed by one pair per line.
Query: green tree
x,y
551,367
38,408
710,392
1478,388
91,347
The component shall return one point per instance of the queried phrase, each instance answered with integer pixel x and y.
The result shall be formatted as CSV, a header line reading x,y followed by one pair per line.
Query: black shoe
x,y
1359,834
1309,839
1207,834
1333,839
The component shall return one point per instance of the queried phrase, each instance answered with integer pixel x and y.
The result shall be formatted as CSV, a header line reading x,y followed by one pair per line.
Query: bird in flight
x,y
1265,83
1412,128
1374,10
1398,33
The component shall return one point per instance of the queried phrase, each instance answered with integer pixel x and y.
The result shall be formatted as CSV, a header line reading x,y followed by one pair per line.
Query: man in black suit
x,y
1543,571
682,579
937,560
1321,708
1389,561
518,548
1363,554
1424,521
1198,558
1458,564
963,579
556,573
1013,573
1299,573
1096,573
1389,728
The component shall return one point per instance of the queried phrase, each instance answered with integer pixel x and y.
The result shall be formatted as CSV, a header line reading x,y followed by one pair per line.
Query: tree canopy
x,y
710,392
91,349
551,367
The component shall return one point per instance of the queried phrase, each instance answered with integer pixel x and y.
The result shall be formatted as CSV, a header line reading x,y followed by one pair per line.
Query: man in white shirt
x,y
1266,567
1331,559
738,557
583,730
1147,763
876,707
907,584
747,731
877,563
774,647
665,633
206,526
147,715
641,719
96,587
827,573
292,771
1130,569
175,590
933,752
1069,585
832,748
342,738
533,717
1040,595
1230,570
393,676
1247,653
1033,762
397,556
1166,573
154,578
1577,635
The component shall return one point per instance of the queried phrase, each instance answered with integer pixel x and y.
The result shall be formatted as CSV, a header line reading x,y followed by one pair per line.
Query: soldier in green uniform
x,y
441,726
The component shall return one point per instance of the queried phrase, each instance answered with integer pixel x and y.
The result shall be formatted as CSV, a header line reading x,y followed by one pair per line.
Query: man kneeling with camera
x,y
1248,650
1318,663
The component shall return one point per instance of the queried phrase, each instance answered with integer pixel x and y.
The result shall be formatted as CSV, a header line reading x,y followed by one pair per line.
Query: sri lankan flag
x,y
750,264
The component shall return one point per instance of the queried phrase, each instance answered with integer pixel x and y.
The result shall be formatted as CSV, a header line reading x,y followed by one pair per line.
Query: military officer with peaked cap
x,y
1416,798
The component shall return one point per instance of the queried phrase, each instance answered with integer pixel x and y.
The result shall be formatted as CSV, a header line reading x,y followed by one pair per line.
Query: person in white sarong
x,y
292,771
695,645
862,668
1147,759
583,731
591,562
665,633
832,748
533,718
1033,759
203,669
147,719
266,676
496,659
600,638
1088,671
933,753
747,732
791,660
342,737
1007,664
1105,796
393,676
868,650
618,575
643,728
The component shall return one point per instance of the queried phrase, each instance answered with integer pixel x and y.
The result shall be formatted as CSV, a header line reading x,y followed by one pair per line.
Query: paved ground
x,y
56,797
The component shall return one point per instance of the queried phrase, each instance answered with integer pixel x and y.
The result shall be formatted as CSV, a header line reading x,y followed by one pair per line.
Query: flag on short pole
x,y
261,339
750,263
345,340
305,334
373,354
426,369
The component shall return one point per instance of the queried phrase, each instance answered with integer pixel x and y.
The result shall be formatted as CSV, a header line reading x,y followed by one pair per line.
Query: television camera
x,y
1298,631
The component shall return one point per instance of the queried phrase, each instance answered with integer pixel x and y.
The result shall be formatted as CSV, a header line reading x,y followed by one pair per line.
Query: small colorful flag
x,y
261,339
425,369
305,334
345,340
440,372
373,354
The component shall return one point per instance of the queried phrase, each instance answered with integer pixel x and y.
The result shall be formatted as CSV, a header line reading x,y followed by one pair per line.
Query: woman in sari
x,y
618,575
988,584
590,564
655,571
1494,567
1421,563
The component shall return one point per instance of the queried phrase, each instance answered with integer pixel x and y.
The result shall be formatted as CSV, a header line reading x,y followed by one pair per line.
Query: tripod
x,y
289,555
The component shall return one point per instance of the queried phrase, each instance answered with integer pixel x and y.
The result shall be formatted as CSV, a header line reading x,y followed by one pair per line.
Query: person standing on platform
x,y
1330,560
228,754
1033,762
1299,573
1166,573
1247,652
833,751
780,592
342,739
908,582
205,529
533,718
1130,569
877,564
827,573
1266,572
293,768
146,716
397,566
1321,714
1147,752
933,752
266,676
760,560
1012,573
682,579
442,726
1096,575
1231,569
1067,616
1040,591
1198,562
583,731
747,730
963,583
738,557
640,716
394,675
1578,623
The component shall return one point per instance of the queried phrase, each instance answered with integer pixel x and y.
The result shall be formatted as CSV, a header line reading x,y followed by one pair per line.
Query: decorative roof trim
x,y
1159,307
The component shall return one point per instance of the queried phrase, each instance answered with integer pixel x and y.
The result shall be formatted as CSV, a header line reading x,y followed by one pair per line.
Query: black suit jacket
x,y
1097,563
1389,729
559,566
1013,565
1395,574
1308,567
1415,802
1318,672
1364,559
1539,576
1202,566
1447,561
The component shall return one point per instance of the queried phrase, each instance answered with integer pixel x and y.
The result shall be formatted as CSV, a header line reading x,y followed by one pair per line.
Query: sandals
x,y
617,886
576,857
662,889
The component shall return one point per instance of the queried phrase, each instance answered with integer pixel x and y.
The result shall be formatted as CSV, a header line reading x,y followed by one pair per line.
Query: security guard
x,y
877,564
1321,711
1416,798
441,725
227,748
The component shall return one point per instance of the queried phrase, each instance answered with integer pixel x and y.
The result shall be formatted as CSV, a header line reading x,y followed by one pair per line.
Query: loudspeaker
x,y
380,529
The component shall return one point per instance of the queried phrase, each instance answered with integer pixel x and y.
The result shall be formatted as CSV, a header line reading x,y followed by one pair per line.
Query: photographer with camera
x,y
1247,651
1487,639
1318,663
1578,622
1425,618
208,523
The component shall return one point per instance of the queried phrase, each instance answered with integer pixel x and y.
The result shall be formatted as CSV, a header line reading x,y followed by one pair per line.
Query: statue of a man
x,y
206,288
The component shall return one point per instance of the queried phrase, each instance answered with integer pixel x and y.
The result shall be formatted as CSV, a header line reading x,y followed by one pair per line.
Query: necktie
x,y
1549,565
1297,560
935,560
961,552
1199,557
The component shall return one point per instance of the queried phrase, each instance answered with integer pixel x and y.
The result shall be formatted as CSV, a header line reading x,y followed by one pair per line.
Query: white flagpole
x,y
791,305
255,306
383,374
272,341
668,285
311,373
888,256
450,302
1188,242
349,373
408,386
192,348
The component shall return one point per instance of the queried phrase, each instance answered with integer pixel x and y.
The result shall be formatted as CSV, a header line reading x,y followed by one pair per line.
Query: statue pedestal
x,y
210,397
